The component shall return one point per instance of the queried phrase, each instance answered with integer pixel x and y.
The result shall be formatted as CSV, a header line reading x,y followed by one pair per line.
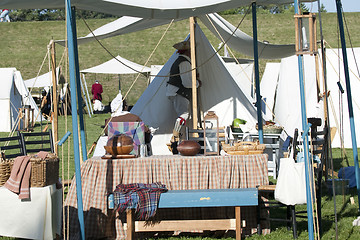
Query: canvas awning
x,y
155,9
239,41
41,81
119,65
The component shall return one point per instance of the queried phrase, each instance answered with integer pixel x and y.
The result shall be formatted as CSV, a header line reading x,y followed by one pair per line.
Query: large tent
x,y
14,95
283,96
227,99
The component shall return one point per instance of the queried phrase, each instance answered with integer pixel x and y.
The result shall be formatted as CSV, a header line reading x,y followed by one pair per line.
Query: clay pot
x,y
120,144
189,148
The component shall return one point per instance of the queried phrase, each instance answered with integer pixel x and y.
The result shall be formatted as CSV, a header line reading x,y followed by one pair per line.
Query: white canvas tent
x,y
219,92
13,95
119,65
42,81
286,97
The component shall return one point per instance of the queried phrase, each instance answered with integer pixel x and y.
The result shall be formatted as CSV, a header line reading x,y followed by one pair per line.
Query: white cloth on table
x,y
99,149
39,218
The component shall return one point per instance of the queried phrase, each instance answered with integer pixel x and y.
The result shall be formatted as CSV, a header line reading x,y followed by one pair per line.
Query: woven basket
x,y
5,170
245,148
44,172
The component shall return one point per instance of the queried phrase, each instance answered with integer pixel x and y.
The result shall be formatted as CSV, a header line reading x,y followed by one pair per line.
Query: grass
x,y
24,46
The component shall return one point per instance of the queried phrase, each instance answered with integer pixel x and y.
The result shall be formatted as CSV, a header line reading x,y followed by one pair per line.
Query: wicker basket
x,y
244,148
5,170
44,172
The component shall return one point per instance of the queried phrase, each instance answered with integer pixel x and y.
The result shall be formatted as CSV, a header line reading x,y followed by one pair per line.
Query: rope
x,y
137,77
233,55
199,66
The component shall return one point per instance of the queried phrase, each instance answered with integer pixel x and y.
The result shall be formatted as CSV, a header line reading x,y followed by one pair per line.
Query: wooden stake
x,y
193,73
54,96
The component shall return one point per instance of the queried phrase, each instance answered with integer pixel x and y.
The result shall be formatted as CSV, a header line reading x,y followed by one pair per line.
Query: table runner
x,y
100,177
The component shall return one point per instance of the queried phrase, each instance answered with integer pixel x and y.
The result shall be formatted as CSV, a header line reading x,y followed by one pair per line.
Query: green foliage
x,y
322,8
268,9
51,14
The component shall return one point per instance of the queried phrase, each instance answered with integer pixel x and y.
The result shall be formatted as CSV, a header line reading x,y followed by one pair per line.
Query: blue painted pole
x,y
257,79
308,166
78,89
349,98
64,138
70,23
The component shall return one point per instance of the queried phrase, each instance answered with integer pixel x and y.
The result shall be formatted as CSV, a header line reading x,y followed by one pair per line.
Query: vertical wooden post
x,y
54,96
238,222
193,73
130,232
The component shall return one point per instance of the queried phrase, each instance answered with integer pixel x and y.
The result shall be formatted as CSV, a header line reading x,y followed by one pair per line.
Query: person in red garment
x,y
96,90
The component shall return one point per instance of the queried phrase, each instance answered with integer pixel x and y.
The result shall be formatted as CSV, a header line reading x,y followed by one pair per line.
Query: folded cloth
x,y
143,197
19,181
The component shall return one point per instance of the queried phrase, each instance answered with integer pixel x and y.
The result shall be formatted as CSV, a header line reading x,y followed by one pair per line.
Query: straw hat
x,y
184,45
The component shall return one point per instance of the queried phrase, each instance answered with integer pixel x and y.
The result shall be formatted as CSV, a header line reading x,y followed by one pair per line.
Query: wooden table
x,y
100,177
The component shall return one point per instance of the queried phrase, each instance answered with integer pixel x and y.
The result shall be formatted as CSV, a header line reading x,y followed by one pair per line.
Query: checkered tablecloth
x,y
100,177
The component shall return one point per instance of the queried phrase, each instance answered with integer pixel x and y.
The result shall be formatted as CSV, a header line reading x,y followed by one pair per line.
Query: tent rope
x,y
237,61
137,77
193,69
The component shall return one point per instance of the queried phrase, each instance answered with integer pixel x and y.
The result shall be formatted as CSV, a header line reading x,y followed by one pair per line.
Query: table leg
x,y
238,223
130,232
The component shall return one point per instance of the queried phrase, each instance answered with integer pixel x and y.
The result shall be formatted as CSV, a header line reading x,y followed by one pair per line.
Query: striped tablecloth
x,y
100,177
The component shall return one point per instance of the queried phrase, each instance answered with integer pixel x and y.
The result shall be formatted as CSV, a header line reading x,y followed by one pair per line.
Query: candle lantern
x,y
211,134
305,34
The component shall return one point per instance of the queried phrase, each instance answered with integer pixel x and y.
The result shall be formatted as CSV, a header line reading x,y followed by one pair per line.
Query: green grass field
x,y
24,46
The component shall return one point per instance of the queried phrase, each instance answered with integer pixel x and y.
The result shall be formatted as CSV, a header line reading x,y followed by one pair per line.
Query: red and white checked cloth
x,y
100,177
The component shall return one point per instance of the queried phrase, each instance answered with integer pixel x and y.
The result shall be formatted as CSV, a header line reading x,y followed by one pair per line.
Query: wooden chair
x,y
38,141
12,147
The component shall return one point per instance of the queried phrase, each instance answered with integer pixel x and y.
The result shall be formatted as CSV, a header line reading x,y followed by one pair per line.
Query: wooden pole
x,y
193,73
54,96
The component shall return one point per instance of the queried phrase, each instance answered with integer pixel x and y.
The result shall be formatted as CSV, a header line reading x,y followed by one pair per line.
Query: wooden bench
x,y
235,197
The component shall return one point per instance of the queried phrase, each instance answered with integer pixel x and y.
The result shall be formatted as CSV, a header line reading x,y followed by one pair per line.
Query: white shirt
x,y
186,77
98,106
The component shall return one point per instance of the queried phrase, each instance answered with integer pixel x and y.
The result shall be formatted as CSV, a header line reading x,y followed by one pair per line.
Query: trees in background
x,y
59,14
51,14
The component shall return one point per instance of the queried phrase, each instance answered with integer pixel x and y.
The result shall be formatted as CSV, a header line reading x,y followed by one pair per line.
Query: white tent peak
x,y
118,65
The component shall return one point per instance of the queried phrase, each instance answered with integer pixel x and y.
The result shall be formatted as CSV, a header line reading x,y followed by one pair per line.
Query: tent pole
x,y
193,73
305,141
257,79
72,44
54,97
87,94
85,99
349,98
326,106
119,82
79,98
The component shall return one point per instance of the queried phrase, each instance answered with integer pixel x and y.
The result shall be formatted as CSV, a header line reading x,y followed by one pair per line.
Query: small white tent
x,y
42,81
286,97
219,92
118,65
13,96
